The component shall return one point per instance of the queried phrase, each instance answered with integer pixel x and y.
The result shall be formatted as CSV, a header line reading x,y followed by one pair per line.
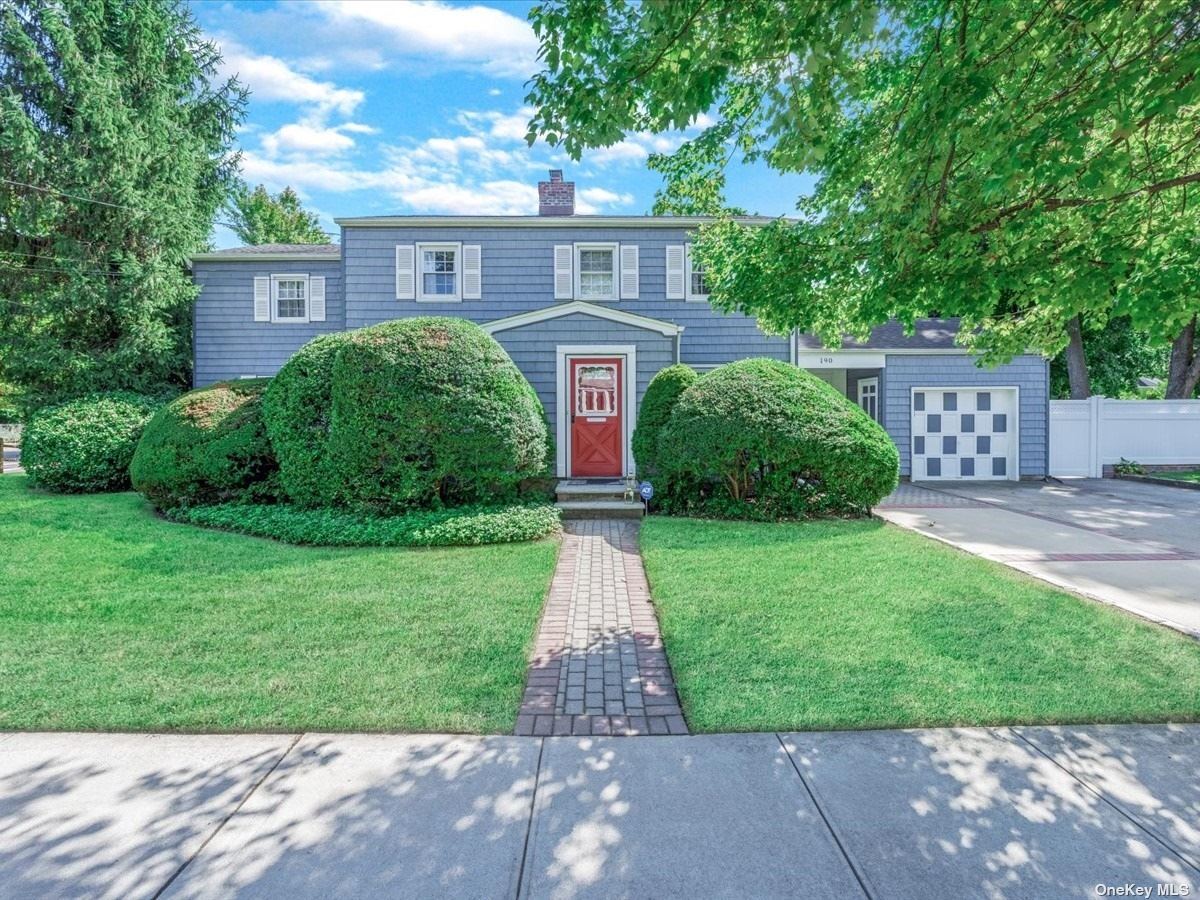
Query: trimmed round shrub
x,y
760,438
431,412
298,408
661,396
208,446
85,445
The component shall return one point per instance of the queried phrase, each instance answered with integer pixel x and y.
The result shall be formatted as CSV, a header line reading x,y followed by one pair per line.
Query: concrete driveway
x,y
1133,545
946,813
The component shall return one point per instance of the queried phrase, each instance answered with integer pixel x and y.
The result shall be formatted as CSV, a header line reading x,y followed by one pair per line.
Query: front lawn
x,y
112,618
857,624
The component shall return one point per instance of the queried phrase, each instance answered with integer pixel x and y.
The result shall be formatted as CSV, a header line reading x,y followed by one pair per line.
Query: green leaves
x,y
259,218
1015,167
115,143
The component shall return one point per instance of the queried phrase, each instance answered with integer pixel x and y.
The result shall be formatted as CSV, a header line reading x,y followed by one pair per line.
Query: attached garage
x,y
965,433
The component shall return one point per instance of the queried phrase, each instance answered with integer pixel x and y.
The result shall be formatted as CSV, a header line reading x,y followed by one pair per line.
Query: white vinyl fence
x,y
1087,435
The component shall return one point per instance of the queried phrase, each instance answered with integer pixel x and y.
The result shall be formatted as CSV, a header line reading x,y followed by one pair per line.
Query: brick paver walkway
x,y
599,666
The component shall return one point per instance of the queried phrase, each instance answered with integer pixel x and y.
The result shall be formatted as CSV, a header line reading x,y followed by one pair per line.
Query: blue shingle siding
x,y
518,276
1028,373
534,350
228,342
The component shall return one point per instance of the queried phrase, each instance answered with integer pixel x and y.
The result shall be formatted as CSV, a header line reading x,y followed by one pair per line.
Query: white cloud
x,y
494,92
422,37
491,198
270,78
302,138
477,37
605,197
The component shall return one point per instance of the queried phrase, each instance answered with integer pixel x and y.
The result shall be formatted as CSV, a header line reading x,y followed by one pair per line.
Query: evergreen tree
x,y
259,218
115,155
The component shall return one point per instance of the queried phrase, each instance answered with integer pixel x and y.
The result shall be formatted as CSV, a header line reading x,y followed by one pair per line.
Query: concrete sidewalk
x,y
1001,813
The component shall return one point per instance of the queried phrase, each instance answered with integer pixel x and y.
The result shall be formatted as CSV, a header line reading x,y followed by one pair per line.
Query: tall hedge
x,y
763,439
298,409
430,412
208,446
659,400
85,445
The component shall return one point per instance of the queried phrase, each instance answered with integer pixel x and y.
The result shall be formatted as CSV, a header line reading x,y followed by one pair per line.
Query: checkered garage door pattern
x,y
964,433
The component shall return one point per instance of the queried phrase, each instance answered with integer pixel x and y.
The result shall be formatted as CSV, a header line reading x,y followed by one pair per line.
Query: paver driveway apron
x,y
1135,546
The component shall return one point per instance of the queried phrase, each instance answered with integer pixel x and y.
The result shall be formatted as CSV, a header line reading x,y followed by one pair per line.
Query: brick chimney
x,y
556,197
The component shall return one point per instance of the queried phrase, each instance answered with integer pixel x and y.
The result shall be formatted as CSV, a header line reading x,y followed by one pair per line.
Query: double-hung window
x,y
596,265
439,271
697,287
289,298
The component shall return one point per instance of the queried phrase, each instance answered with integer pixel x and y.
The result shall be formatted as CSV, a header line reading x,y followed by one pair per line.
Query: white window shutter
x,y
564,282
262,299
676,271
629,271
316,298
406,272
472,272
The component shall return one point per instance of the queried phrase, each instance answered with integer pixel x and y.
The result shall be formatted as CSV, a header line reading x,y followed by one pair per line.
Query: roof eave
x,y
543,221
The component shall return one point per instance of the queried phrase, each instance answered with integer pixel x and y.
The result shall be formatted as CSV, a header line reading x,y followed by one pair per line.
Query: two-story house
x,y
590,308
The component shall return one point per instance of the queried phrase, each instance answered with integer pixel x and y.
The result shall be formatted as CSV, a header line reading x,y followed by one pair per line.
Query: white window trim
x,y
288,320
615,249
687,278
419,272
564,352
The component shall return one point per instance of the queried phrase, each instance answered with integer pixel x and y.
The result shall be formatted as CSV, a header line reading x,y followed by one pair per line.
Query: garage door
x,y
964,433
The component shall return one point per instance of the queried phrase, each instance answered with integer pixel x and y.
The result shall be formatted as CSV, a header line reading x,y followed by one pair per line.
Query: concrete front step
x,y
578,490
600,509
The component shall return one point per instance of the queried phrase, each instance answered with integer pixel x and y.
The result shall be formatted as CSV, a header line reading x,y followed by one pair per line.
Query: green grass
x,y
857,624
112,618
1193,476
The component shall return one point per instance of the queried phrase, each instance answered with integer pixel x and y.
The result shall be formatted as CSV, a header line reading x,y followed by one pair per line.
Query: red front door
x,y
597,414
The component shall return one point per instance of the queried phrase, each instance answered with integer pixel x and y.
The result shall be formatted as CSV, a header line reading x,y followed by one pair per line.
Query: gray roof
x,y
328,249
928,334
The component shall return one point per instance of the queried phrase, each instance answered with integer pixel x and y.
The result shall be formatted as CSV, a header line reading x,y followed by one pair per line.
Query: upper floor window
x,y
597,268
697,286
290,297
439,271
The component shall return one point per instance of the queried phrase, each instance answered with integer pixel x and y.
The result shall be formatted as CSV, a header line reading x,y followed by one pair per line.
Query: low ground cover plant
x,y
759,438
85,445
208,446
463,526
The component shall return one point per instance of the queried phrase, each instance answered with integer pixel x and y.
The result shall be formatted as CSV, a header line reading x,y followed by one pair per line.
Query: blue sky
x,y
370,107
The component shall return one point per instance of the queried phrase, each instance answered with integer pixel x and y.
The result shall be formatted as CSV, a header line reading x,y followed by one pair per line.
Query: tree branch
x,y
1053,204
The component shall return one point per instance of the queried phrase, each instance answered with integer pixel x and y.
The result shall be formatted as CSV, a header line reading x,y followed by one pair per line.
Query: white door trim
x,y
1014,471
562,353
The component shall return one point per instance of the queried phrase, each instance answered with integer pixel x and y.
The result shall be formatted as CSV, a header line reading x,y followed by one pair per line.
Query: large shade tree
x,y
1022,165
115,154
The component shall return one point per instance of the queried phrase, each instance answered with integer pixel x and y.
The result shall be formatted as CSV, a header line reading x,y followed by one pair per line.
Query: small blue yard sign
x,y
646,489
